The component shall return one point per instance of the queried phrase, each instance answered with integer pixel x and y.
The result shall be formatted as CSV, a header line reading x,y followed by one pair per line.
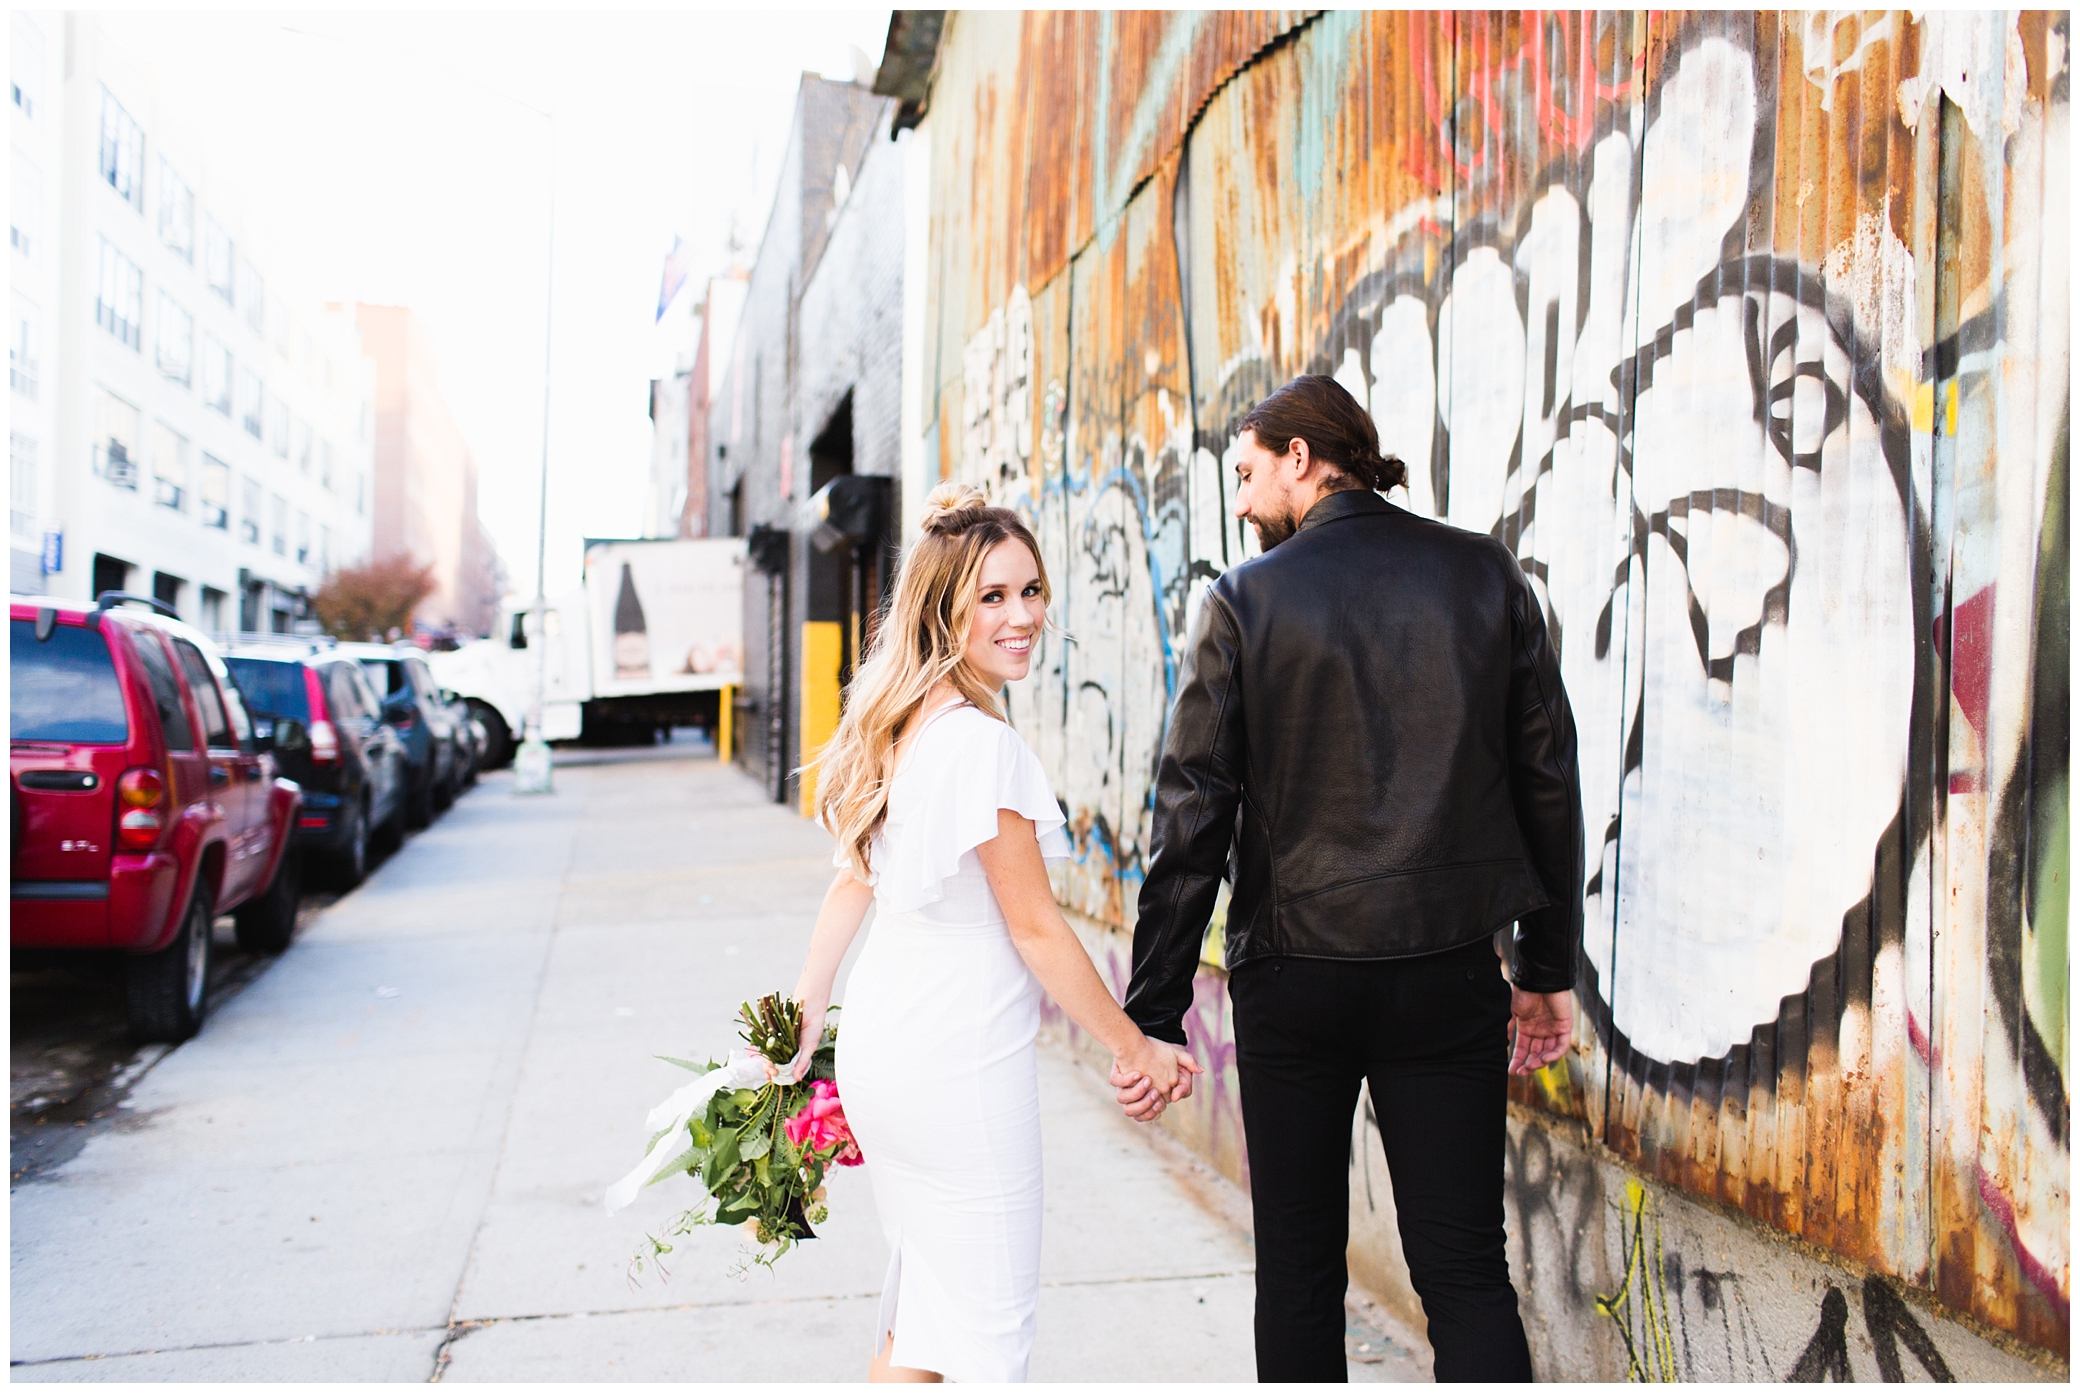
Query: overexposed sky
x,y
378,157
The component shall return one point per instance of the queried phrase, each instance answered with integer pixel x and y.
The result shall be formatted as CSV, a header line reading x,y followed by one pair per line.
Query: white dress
x,y
935,1056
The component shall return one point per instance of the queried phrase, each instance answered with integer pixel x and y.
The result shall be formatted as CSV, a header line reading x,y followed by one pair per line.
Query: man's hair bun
x,y
1380,472
953,508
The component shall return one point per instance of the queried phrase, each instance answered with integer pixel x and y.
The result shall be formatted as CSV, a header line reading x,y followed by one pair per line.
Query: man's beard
x,y
1273,529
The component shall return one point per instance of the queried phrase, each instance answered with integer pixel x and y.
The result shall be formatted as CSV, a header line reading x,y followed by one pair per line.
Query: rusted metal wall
x,y
1748,332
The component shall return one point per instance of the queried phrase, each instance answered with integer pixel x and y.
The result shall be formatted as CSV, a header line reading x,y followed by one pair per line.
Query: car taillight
x,y
140,798
324,739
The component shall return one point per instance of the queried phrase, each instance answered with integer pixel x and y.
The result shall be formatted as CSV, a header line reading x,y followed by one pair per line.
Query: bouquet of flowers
x,y
756,1142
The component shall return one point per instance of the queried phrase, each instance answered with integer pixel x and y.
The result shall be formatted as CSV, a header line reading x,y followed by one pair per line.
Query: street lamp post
x,y
533,768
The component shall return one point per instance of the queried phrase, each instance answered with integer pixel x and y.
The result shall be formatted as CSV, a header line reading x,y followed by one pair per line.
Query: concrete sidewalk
x,y
384,1159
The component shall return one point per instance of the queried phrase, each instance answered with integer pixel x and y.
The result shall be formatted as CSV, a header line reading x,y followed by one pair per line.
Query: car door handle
x,y
218,774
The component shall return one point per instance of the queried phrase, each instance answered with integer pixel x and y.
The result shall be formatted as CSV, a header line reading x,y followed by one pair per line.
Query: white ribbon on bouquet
x,y
746,1069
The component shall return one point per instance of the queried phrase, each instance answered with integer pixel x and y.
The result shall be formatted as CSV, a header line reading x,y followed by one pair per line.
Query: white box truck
x,y
651,639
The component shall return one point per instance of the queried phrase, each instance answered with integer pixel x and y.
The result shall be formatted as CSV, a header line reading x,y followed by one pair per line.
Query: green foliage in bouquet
x,y
755,1176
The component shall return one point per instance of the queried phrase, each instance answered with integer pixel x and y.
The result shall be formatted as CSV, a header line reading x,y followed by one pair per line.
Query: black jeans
x,y
1428,1036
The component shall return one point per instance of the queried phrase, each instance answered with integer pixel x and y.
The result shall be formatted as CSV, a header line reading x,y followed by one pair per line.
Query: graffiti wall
x,y
1747,332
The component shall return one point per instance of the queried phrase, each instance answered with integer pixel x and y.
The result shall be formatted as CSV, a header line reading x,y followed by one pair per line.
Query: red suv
x,y
143,806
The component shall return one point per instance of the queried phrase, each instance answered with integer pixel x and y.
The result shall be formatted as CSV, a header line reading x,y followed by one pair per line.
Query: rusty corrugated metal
x,y
1747,332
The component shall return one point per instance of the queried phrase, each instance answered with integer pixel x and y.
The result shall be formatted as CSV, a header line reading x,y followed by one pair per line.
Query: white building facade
x,y
181,427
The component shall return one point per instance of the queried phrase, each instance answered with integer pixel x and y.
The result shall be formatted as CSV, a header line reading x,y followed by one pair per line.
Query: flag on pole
x,y
674,276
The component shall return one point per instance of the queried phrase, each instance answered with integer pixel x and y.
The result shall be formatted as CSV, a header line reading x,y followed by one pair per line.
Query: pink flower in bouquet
x,y
821,1125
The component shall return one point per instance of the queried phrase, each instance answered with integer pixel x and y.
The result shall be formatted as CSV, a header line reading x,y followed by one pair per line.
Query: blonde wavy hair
x,y
922,641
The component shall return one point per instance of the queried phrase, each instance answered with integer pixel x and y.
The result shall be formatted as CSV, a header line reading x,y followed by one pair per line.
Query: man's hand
x,y
1541,1026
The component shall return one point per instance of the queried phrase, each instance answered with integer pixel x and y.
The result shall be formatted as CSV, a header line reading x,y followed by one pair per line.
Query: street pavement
x,y
383,1159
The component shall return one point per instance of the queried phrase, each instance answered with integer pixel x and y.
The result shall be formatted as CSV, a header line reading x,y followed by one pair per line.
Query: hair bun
x,y
944,506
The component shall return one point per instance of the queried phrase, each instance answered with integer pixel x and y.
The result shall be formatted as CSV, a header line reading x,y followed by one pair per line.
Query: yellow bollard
x,y
823,644
725,722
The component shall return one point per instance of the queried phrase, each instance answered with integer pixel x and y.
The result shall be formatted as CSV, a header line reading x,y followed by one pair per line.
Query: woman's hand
x,y
813,1013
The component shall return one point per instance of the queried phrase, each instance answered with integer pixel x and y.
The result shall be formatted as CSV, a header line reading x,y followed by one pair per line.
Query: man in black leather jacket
x,y
1372,740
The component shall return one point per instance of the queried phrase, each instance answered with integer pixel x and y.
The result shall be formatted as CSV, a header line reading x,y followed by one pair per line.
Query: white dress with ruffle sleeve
x,y
935,1056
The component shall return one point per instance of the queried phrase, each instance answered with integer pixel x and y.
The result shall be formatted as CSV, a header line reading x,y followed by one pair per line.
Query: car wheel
x,y
418,800
167,992
350,862
389,834
444,790
498,739
266,924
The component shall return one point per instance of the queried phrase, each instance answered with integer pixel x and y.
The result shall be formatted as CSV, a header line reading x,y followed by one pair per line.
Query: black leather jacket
x,y
1378,699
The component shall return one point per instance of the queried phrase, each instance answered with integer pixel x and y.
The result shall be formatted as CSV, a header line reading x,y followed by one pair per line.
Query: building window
x,y
303,446
278,425
212,610
250,396
303,538
169,467
324,549
116,425
122,151
325,464
119,301
175,341
213,492
249,514
21,486
24,207
21,351
219,258
216,375
360,494
28,67
278,535
252,295
176,212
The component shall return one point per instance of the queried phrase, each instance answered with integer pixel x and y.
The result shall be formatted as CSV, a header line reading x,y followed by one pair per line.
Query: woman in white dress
x,y
945,821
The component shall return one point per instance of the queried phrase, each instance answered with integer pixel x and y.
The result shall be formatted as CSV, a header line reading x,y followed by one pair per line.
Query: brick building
x,y
811,392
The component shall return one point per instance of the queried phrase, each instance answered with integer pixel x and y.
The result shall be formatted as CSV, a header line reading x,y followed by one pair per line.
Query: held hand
x,y
1138,1097
1164,1069
1541,1028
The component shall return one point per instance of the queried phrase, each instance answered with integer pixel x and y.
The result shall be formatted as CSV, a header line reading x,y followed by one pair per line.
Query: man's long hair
x,y
1338,432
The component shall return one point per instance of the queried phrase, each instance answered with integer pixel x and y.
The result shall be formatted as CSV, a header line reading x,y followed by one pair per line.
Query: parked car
x,y
144,804
412,706
472,741
328,732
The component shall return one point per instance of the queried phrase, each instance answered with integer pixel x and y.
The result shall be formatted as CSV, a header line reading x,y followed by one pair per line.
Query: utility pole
x,y
533,767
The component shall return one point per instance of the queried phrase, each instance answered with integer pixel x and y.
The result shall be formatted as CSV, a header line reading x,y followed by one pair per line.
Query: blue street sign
x,y
53,550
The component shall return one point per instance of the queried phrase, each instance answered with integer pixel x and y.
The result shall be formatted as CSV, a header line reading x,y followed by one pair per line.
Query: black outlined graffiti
x,y
1826,1355
1890,1324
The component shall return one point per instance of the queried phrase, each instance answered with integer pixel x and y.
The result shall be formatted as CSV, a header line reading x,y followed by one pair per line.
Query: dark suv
x,y
326,725
144,806
412,706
